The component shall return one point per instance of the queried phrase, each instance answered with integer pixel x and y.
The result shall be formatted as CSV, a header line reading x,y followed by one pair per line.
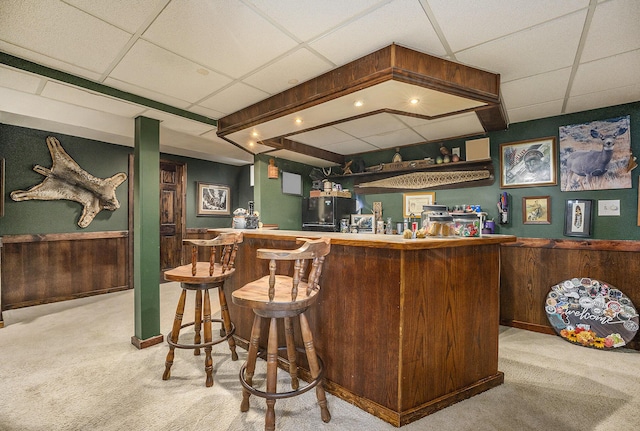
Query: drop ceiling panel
x,y
161,71
466,24
206,147
371,125
614,29
87,99
460,125
614,96
226,36
402,21
233,98
20,81
44,28
597,75
305,20
563,34
301,65
526,91
354,146
179,124
149,94
540,110
395,138
126,14
301,158
322,137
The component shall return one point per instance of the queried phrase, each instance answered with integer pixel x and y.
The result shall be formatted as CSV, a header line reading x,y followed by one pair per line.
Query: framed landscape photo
x,y
578,217
213,199
536,210
365,222
412,202
528,163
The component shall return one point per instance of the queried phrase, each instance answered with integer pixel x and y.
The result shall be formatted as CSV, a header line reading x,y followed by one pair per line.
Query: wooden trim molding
x,y
568,244
15,239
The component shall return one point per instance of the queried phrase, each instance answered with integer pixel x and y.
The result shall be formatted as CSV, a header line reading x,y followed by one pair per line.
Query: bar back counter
x,y
405,327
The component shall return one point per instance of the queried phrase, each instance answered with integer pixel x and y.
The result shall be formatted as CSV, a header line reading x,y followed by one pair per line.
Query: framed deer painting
x,y
596,155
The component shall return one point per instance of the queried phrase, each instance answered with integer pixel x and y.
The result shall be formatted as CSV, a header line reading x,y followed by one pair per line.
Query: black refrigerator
x,y
324,213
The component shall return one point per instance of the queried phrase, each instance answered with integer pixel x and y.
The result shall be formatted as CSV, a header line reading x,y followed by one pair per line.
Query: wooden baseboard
x,y
143,344
534,327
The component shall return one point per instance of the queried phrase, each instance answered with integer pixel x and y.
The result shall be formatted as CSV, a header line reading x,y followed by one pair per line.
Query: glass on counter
x,y
467,225
439,225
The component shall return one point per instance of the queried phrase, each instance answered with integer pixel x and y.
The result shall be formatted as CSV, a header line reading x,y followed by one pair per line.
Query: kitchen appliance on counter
x,y
323,214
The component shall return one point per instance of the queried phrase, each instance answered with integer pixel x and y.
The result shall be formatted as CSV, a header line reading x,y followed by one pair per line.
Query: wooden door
x,y
172,213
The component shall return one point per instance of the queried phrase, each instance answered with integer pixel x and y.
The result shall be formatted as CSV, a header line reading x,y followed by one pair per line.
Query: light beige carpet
x,y
71,366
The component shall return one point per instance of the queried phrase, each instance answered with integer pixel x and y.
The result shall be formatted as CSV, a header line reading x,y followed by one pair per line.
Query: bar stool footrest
x,y
202,345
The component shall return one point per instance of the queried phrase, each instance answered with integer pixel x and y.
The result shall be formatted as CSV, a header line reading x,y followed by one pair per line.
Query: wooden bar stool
x,y
202,276
284,297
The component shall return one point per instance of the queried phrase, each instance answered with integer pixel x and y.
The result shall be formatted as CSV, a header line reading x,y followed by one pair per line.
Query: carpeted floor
x,y
71,366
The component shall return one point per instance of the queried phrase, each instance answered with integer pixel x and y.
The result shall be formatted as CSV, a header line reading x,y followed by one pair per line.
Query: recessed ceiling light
x,y
254,134
298,120
414,101
251,143
358,103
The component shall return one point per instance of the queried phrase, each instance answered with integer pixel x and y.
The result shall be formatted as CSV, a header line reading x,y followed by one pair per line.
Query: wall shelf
x,y
439,177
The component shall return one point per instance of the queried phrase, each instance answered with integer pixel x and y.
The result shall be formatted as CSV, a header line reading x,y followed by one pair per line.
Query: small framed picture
x,y
413,202
578,217
528,163
536,210
364,222
213,199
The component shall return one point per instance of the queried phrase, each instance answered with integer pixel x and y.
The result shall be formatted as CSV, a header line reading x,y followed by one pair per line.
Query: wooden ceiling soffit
x,y
392,62
297,147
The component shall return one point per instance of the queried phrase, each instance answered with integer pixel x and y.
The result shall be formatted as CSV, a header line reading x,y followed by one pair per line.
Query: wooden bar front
x,y
405,327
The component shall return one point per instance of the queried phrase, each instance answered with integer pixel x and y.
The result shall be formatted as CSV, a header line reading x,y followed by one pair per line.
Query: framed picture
x,y
365,222
528,163
213,199
413,202
536,210
578,217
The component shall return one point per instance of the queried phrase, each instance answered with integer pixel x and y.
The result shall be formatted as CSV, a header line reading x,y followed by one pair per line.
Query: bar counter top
x,y
373,240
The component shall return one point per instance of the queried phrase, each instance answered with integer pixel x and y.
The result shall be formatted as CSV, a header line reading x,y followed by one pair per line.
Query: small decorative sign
x,y
591,313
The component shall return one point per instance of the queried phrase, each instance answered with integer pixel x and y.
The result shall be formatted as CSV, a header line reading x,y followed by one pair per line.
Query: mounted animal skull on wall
x,y
67,180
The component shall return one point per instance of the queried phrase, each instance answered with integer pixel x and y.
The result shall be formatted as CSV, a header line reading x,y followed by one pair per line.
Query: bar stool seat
x,y
200,277
281,297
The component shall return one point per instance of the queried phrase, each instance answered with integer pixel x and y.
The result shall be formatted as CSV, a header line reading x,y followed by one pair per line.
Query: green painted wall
x,y
22,148
622,227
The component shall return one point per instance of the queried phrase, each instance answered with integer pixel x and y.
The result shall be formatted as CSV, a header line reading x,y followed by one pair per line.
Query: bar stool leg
x,y
252,356
197,322
291,353
272,374
175,333
208,361
226,322
314,367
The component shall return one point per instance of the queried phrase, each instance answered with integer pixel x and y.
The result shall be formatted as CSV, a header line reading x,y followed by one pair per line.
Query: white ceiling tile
x,y
179,124
555,42
401,21
459,125
301,65
466,24
44,28
526,91
614,29
20,81
224,35
39,107
206,147
234,98
149,94
394,138
159,70
301,158
605,74
211,113
371,125
307,19
126,14
532,112
87,99
351,147
321,137
601,99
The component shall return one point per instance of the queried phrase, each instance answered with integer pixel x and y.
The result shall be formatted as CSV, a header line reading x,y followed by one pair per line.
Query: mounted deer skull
x,y
66,180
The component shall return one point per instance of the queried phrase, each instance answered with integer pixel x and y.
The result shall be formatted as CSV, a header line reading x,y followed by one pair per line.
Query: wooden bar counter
x,y
405,327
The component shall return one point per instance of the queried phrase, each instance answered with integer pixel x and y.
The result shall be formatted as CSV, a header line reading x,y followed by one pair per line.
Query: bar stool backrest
x,y
227,242
312,250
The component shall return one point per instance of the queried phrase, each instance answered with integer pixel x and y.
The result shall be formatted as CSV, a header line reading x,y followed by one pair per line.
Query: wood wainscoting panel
x,y
531,266
39,269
